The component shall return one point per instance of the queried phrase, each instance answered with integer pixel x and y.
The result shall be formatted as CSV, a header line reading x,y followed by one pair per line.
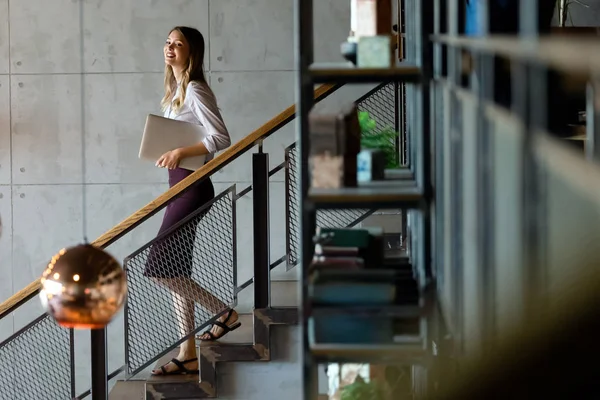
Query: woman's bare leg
x,y
184,312
186,289
191,290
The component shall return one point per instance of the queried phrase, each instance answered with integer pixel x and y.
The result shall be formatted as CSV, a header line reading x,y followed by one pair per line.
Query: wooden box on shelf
x,y
334,146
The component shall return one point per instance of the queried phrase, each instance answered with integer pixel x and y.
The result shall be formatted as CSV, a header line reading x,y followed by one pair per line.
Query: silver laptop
x,y
164,134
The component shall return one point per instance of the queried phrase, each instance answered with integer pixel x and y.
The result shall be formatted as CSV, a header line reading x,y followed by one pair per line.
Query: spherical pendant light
x,y
83,287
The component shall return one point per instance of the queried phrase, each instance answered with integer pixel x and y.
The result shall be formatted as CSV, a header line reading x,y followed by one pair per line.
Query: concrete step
x,y
128,390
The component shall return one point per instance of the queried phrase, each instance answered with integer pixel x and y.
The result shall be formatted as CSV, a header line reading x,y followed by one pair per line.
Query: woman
x,y
188,98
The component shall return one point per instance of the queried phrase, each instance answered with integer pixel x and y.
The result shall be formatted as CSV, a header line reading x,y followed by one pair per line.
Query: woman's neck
x,y
178,73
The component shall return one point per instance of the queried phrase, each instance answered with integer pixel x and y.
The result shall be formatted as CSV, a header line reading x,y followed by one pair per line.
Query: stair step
x,y
184,390
128,390
243,335
250,342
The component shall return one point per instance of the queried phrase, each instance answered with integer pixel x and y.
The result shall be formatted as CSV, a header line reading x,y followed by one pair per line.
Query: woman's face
x,y
177,50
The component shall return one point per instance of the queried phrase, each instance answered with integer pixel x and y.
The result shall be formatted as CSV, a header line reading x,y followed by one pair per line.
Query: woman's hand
x,y
170,159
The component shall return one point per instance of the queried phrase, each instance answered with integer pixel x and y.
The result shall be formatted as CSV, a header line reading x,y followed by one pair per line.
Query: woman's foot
x,y
225,324
178,366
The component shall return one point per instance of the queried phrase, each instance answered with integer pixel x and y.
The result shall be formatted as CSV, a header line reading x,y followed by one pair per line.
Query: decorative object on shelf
x,y
374,52
369,44
334,145
83,287
349,48
375,138
362,390
371,165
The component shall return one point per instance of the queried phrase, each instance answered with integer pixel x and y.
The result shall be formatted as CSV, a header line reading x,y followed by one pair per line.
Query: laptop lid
x,y
164,134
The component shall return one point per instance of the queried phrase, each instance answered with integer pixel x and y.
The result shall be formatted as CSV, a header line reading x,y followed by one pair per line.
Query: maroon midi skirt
x,y
171,255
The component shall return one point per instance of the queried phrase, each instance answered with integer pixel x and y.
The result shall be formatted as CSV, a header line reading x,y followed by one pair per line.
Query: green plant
x,y
375,138
361,390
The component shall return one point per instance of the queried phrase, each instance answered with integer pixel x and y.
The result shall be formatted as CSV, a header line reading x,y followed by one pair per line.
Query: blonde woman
x,y
188,98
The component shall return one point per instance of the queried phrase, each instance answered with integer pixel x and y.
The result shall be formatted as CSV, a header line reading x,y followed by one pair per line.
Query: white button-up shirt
x,y
200,107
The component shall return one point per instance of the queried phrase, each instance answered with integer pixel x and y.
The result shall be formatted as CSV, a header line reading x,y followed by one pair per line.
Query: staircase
x,y
251,342
150,337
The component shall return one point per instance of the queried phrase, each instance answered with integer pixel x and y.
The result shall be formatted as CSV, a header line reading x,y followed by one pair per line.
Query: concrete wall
x,y
46,106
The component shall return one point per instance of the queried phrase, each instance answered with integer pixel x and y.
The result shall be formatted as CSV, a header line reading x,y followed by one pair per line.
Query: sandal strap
x,y
222,325
228,316
180,365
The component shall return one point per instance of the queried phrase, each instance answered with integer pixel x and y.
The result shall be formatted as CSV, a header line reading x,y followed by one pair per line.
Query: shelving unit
x,y
348,73
409,191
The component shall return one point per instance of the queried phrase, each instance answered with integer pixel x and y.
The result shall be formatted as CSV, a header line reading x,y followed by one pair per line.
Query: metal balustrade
x,y
37,362
207,238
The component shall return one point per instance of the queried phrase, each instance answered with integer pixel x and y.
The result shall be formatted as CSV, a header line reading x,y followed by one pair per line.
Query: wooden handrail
x,y
141,215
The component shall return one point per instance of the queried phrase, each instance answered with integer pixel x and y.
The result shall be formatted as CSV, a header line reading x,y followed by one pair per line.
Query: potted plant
x,y
376,138
361,390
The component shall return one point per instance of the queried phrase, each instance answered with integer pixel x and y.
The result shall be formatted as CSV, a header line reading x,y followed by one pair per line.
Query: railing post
x,y
260,208
99,364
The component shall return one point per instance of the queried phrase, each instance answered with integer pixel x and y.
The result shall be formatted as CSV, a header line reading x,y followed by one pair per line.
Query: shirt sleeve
x,y
204,106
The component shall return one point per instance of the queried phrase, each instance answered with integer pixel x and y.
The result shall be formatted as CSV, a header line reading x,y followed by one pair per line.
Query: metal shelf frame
x,y
418,52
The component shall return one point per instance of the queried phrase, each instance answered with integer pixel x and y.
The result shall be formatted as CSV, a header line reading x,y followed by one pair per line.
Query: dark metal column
x,y
303,14
99,364
425,61
260,208
72,357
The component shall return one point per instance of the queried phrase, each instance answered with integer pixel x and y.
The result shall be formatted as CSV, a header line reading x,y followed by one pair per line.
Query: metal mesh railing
x,y
36,362
381,106
192,264
325,218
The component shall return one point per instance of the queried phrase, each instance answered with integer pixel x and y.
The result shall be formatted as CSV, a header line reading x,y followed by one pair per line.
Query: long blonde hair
x,y
193,72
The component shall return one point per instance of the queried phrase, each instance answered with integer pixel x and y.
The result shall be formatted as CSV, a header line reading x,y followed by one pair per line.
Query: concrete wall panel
x,y
46,129
116,112
44,36
342,96
4,129
247,101
251,35
6,287
108,205
128,36
4,45
46,218
331,29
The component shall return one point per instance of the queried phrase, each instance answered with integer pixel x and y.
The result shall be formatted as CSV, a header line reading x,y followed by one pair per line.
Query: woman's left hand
x,y
169,160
